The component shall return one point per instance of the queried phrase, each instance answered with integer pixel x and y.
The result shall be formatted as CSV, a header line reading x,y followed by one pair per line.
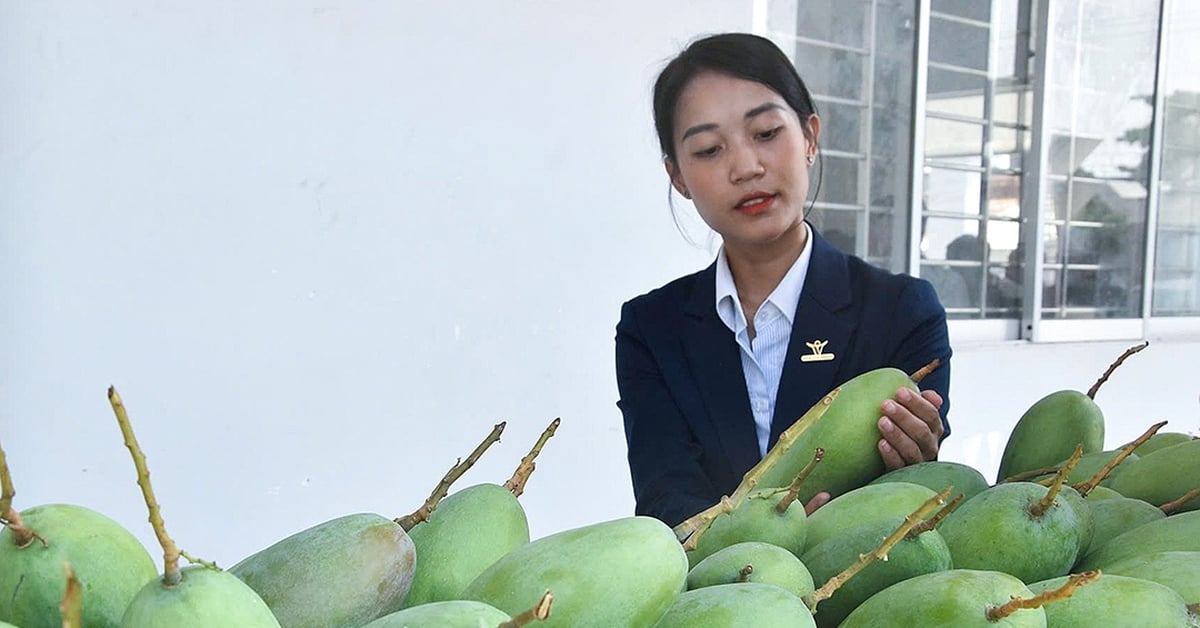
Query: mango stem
x,y
879,553
1169,508
171,575
7,492
922,372
22,536
460,467
1194,608
690,531
198,561
1031,474
540,612
793,490
516,483
1039,508
996,613
1091,393
744,573
937,518
1086,487
71,606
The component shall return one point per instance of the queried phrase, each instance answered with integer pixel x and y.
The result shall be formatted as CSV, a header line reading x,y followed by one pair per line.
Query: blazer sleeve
x,y
921,326
669,482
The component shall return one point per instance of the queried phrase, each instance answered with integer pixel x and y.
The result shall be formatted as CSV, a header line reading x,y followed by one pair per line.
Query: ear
x,y
676,178
812,132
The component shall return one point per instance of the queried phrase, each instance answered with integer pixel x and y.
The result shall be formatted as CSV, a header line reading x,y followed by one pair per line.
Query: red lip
x,y
755,203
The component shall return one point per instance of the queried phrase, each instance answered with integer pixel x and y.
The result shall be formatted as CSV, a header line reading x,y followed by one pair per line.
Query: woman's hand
x,y
911,428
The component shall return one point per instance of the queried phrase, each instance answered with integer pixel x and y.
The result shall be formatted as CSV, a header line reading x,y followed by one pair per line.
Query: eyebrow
x,y
700,128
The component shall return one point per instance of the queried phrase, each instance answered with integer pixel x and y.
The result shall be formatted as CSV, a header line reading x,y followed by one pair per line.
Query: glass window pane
x,y
957,43
1007,147
841,22
841,126
839,180
840,227
951,239
970,9
952,191
955,93
829,72
960,142
1051,292
881,243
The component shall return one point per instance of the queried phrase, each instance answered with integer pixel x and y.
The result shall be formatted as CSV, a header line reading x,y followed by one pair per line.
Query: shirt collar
x,y
786,295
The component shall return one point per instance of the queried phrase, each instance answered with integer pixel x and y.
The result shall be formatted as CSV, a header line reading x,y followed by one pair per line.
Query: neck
x,y
758,269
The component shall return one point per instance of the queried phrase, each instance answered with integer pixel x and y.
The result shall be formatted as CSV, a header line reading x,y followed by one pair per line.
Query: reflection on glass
x,y
952,191
961,142
839,227
882,235
829,72
841,126
957,43
971,9
955,93
839,180
843,22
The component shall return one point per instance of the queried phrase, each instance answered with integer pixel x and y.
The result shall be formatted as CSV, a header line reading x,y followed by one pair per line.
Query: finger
x,y
891,459
921,406
904,445
818,500
934,398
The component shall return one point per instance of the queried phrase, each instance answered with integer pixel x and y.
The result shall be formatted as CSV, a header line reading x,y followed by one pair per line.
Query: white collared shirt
x,y
762,359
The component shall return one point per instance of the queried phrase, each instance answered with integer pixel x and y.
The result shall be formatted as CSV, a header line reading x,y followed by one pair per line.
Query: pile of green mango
x,y
1074,532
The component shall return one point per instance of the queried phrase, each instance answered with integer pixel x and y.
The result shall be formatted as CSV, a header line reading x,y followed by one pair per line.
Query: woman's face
x,y
741,156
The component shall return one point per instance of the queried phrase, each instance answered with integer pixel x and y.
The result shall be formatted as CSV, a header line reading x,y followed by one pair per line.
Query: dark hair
x,y
740,55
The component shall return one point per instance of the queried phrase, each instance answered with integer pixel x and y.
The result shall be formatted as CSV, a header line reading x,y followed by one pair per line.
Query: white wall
x,y
320,248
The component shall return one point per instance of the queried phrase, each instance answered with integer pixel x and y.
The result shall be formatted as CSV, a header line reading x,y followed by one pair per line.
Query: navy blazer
x,y
688,422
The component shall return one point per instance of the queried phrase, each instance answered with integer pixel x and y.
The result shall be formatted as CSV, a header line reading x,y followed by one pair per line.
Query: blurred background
x,y
321,248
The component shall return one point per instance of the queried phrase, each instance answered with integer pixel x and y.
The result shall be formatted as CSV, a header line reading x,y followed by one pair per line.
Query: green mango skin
x,y
448,614
874,502
910,557
958,598
1160,440
453,546
1177,570
755,520
1101,493
1175,533
344,572
1163,476
202,599
848,432
937,475
1117,516
1114,600
624,572
109,562
737,605
1087,521
1050,430
772,565
1091,464
995,532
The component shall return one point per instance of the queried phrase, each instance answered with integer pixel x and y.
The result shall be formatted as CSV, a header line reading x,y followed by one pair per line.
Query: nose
x,y
745,164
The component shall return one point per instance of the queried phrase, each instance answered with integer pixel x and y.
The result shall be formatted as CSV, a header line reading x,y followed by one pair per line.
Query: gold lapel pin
x,y
818,352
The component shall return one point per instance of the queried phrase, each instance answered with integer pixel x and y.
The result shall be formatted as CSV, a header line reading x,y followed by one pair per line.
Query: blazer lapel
x,y
716,364
806,379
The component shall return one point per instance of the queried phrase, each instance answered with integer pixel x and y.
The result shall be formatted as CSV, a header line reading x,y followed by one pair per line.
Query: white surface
x,y
322,248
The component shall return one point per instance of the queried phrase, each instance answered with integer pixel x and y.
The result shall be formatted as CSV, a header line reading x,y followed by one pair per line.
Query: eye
x,y
769,134
711,151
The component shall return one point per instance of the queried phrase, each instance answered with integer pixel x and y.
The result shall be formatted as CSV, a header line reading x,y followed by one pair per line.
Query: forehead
x,y
715,98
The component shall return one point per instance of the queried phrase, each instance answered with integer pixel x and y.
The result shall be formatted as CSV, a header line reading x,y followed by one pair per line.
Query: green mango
x,y
109,562
1160,440
937,475
848,431
1117,516
1175,533
1091,464
624,572
447,614
755,520
454,548
1163,475
1087,522
1050,430
926,553
1101,493
958,598
737,605
203,598
1177,570
771,564
344,572
995,531
874,502
1114,601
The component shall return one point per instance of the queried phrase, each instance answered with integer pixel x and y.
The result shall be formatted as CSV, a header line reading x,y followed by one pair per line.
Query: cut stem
x,y
516,483
793,490
1169,508
996,613
171,575
71,606
460,467
7,492
1091,393
541,612
690,531
924,371
879,553
1039,508
22,536
744,573
933,521
198,561
1031,474
1086,487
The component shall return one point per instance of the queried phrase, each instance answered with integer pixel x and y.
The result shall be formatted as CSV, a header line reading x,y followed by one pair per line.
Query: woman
x,y
712,367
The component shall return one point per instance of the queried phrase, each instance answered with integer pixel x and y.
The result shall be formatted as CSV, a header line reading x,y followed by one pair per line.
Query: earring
x,y
686,194
811,159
